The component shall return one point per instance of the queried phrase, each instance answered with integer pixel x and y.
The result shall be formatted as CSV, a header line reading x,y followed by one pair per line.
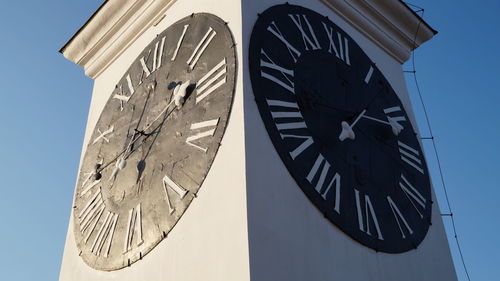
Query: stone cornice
x,y
115,25
388,23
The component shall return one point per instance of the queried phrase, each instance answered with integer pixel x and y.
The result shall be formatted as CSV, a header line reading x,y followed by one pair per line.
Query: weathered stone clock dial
x,y
155,141
340,128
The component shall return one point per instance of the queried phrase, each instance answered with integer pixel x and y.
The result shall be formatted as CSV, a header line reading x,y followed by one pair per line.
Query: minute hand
x,y
393,122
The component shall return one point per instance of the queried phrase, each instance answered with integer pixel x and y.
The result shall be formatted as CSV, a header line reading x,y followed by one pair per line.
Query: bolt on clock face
x,y
340,129
155,142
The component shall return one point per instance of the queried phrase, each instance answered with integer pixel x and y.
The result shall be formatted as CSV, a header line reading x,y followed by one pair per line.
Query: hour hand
x,y
120,165
347,132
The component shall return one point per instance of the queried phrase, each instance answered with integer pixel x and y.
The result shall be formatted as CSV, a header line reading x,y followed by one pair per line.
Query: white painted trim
x,y
388,23
111,30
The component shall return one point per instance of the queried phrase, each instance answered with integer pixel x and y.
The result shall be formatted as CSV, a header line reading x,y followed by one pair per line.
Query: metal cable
x,y
432,138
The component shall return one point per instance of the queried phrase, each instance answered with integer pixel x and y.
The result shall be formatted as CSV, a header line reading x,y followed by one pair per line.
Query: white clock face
x,y
155,142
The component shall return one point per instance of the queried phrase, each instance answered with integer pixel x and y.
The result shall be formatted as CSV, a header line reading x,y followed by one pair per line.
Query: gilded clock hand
x,y
347,132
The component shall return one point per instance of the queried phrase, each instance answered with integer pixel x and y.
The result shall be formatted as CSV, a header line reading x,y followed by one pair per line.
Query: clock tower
x,y
252,140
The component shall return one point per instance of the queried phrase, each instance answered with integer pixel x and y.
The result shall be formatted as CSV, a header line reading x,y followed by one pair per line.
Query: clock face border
x,y
190,50
268,29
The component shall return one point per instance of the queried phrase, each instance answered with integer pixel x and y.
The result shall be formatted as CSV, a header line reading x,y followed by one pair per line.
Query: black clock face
x,y
154,142
340,129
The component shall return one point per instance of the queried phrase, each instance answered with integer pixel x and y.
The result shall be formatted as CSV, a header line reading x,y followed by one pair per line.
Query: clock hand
x,y
347,132
121,158
177,99
393,122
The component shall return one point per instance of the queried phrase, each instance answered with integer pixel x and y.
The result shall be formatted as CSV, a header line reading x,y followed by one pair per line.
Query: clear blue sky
x,y
45,101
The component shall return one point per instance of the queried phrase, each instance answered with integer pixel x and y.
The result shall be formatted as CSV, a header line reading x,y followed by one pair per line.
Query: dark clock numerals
x,y
347,143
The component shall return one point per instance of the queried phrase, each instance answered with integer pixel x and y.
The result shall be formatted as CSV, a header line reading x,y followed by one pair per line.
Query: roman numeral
x,y
91,184
207,133
134,228
366,215
103,135
340,47
369,75
410,156
273,28
157,57
211,81
283,111
286,74
90,214
200,48
179,190
122,96
309,43
396,117
321,177
401,221
413,195
179,43
89,218
105,235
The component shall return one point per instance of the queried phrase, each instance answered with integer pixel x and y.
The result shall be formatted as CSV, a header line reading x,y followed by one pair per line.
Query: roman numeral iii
x,y
410,156
211,81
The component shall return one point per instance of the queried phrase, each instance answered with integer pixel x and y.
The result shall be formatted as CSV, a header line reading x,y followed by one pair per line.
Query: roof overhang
x,y
391,24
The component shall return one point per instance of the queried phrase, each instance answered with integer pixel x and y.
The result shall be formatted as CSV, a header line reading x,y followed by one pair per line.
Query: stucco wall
x,y
289,239
210,240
